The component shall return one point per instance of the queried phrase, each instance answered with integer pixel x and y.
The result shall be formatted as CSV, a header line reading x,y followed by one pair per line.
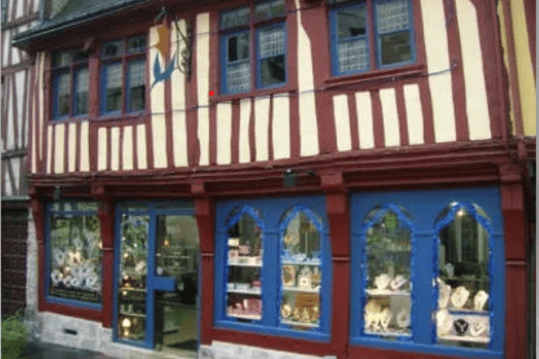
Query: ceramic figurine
x,y
443,322
382,281
286,311
289,275
403,318
460,297
480,300
478,328
398,282
444,292
385,318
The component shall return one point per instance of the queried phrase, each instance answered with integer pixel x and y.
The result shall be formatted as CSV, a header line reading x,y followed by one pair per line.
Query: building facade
x,y
286,178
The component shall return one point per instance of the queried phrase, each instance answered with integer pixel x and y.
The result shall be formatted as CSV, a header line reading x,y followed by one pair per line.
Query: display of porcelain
x,y
385,318
478,328
449,269
443,322
304,278
480,300
398,282
459,297
289,276
286,311
372,314
461,326
403,318
382,281
444,292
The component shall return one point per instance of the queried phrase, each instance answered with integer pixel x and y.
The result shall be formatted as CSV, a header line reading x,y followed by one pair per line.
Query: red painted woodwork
x,y
516,320
270,128
206,299
294,125
354,129
401,110
530,11
252,138
191,101
235,151
168,107
378,124
214,65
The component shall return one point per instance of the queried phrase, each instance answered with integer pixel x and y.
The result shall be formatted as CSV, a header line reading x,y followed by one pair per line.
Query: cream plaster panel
x,y
526,78
308,126
157,91
102,149
179,138
179,128
364,119
127,149
177,78
474,76
159,136
204,135
115,148
342,123
503,36
261,127
41,103
281,126
390,117
437,50
49,149
85,146
72,150
224,133
59,144
244,147
203,57
414,114
142,161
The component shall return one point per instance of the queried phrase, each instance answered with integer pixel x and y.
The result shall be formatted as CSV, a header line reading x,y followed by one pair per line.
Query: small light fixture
x,y
289,178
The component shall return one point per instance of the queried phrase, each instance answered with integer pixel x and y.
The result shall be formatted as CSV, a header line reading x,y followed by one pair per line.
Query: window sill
x,y
377,76
253,94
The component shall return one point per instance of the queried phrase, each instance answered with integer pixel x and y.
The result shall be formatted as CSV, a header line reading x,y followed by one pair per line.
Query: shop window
x,y
387,298
74,268
70,84
463,283
273,267
265,23
352,41
123,75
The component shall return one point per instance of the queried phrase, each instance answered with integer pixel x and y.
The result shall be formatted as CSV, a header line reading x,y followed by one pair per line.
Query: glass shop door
x,y
176,283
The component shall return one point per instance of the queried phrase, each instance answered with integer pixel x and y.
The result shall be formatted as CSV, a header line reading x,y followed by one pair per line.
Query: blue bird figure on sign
x,y
165,75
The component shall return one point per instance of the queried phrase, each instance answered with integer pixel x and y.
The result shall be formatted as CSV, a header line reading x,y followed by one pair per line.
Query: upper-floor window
x,y
253,47
70,84
371,34
123,75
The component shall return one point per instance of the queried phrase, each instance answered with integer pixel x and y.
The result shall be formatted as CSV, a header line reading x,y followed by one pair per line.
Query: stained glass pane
x,y
388,307
353,55
244,294
238,47
137,88
269,10
136,45
271,41
351,22
81,80
113,49
238,77
396,48
75,257
463,317
235,18
392,16
63,89
114,79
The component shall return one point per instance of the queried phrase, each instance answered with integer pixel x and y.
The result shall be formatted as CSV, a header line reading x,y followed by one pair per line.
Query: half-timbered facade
x,y
326,177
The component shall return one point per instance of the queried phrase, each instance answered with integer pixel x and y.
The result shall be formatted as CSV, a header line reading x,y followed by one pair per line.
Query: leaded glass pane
x,y
392,16
353,55
238,77
136,44
272,71
238,47
351,22
113,48
137,88
75,257
114,79
63,89
388,305
271,41
81,79
235,18
270,10
463,283
396,48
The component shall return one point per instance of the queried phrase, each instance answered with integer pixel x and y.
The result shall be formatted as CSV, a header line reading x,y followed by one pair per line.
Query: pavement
x,y
39,350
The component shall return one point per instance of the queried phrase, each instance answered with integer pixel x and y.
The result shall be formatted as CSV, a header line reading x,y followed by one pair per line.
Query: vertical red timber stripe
x,y
121,147
235,131
401,110
191,100
109,148
212,85
378,123
530,11
53,147
93,145
168,111
252,140
66,147
294,124
77,147
457,73
292,32
134,148
316,26
148,122
24,138
352,110
270,129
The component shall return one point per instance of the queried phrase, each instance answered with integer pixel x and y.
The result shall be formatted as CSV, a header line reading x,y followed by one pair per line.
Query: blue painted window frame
x,y
334,7
225,63
424,207
270,210
152,209
259,59
49,298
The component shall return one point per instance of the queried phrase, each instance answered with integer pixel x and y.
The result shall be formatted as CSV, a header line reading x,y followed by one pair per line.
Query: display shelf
x,y
300,324
129,314
455,311
384,292
315,263
252,291
389,333
236,264
245,316
302,290
134,290
456,338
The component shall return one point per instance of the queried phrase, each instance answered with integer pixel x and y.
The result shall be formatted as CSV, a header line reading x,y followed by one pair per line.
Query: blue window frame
x,y
273,267
69,84
358,28
123,76
254,35
456,280
73,254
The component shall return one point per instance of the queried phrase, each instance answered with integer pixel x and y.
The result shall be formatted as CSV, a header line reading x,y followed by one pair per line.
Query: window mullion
x,y
71,89
253,51
373,64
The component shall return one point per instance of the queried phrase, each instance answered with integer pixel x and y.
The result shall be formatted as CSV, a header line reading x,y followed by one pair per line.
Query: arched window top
x,y
301,231
461,209
295,211
237,213
392,216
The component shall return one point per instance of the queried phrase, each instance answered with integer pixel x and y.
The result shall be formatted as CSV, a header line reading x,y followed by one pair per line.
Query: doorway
x,y
157,282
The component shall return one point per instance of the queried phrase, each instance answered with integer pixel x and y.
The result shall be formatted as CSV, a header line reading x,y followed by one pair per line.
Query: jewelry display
x,y
289,275
382,281
478,328
398,282
403,318
444,293
286,311
460,297
480,300
443,322
461,326
304,278
385,318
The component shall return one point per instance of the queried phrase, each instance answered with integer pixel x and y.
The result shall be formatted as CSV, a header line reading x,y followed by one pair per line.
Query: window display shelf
x,y
300,324
245,316
383,292
236,264
389,333
456,338
468,312
302,290
129,314
312,262
252,291
133,290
